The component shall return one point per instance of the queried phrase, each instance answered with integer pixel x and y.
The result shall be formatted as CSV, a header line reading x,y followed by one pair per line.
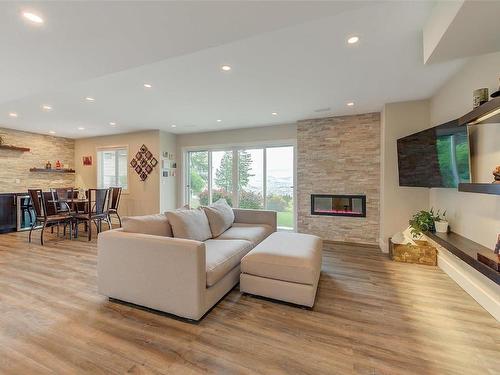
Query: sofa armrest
x,y
256,217
161,273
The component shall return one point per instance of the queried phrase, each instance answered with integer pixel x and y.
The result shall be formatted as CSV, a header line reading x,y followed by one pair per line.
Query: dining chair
x,y
45,214
115,194
60,196
97,211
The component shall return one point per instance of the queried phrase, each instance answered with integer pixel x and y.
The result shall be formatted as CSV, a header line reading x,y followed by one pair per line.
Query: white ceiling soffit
x,y
458,29
80,40
295,71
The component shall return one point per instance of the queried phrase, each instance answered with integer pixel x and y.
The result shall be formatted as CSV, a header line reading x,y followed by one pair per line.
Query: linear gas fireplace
x,y
338,205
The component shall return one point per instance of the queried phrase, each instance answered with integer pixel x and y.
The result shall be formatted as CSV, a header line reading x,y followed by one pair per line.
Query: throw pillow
x,y
156,225
220,217
189,224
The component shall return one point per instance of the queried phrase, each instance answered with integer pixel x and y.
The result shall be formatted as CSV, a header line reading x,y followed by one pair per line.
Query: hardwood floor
x,y
372,316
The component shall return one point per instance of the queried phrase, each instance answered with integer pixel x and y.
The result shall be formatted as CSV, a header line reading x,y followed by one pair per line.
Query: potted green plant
x,y
440,222
428,221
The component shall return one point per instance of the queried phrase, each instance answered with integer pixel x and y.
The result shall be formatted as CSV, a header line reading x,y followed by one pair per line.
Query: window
x,y
112,167
253,178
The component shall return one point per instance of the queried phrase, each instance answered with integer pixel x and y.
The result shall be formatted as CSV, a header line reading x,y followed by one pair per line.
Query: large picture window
x,y
253,178
112,163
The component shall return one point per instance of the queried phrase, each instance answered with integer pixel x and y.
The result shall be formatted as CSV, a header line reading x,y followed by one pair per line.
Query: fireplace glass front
x,y
338,205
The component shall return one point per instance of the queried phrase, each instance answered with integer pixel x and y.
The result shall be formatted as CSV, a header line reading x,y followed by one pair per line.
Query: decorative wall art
x,y
87,161
143,163
168,164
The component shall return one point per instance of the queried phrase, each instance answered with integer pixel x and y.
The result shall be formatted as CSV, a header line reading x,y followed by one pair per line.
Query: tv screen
x,y
436,157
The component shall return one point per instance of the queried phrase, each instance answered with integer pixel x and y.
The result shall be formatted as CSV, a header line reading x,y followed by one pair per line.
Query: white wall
x,y
168,185
398,204
475,216
142,197
225,138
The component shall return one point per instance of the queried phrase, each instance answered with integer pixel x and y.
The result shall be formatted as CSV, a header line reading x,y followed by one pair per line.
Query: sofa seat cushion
x,y
222,256
156,225
254,233
292,257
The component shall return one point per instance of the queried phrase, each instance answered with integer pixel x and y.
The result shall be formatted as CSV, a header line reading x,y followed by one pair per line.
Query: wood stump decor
x,y
143,163
422,253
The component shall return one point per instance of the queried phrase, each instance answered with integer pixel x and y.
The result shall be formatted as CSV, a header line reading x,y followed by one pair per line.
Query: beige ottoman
x,y
285,266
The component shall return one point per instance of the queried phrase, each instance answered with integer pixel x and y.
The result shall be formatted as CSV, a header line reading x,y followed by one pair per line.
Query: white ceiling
x,y
287,57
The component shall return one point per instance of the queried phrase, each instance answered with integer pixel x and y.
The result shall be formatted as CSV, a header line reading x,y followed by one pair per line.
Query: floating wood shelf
x,y
489,112
14,148
480,188
468,251
52,170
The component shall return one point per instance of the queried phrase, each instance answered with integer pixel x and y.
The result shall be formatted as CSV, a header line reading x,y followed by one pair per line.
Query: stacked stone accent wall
x,y
16,165
339,155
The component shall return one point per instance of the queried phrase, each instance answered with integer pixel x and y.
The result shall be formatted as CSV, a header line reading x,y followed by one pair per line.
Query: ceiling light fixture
x,y
81,128
13,114
35,18
112,123
46,107
89,99
350,104
353,40
174,126
148,85
226,68
275,113
219,120
52,132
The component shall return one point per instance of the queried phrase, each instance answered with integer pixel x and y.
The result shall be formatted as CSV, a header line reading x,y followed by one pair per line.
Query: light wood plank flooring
x,y
372,316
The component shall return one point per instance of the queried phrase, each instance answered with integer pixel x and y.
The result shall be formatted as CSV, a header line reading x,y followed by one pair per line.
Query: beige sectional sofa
x,y
179,276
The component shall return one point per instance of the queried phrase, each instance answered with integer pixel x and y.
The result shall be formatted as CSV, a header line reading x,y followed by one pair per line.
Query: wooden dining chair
x,y
97,211
45,214
115,194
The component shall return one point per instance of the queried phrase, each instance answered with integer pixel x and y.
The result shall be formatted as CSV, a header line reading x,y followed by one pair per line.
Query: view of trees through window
x,y
263,179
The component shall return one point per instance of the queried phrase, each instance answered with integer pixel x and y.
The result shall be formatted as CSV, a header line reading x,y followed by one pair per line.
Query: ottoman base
x,y
300,294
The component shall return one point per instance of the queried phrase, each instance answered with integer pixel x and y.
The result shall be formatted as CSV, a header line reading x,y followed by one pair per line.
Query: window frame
x,y
99,167
185,193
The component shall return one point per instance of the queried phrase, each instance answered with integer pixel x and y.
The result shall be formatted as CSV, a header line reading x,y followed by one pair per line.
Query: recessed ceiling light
x,y
35,18
47,107
173,126
219,120
353,40
112,123
52,132
13,114
226,68
275,113
148,85
81,128
350,104
89,99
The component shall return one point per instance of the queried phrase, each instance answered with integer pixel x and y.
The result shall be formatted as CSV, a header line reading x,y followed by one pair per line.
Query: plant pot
x,y
441,226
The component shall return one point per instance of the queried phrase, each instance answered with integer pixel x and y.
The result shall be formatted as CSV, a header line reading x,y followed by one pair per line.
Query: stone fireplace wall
x,y
339,155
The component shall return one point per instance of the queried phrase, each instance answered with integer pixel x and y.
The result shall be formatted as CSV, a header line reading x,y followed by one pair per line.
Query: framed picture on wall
x,y
87,161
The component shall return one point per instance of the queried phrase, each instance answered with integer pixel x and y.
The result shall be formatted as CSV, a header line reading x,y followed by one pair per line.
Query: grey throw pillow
x,y
220,217
189,224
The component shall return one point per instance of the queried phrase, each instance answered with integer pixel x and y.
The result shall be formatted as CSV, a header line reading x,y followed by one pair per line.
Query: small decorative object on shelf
x,y
492,261
1,140
497,247
496,93
58,164
48,165
480,96
496,175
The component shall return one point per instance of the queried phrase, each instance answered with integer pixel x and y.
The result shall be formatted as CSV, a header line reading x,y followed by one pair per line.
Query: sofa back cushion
x,y
156,225
220,217
189,224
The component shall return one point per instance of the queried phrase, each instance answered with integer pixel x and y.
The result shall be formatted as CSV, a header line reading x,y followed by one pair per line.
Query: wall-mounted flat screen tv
x,y
436,157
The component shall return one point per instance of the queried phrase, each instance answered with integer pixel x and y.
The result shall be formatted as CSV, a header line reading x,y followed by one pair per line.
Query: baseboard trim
x,y
362,244
478,286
